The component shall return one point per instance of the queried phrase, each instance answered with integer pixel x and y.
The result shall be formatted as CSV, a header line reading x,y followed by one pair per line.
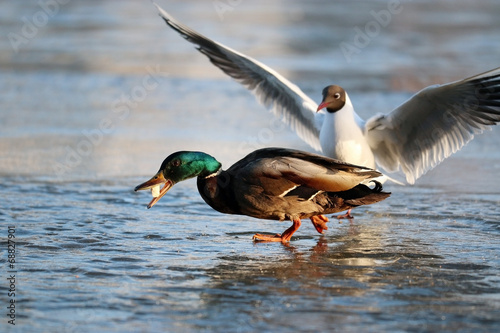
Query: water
x,y
101,93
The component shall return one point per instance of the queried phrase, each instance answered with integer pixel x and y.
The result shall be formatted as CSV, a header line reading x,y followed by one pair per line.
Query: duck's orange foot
x,y
283,238
346,216
267,238
319,222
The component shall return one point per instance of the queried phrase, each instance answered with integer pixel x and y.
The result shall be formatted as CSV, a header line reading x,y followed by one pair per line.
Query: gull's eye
x,y
337,95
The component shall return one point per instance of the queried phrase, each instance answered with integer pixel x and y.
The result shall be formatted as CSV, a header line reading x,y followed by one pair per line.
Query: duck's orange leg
x,y
284,237
319,222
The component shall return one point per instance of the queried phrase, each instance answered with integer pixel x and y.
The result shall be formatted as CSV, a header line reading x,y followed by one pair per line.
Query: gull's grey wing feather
x,y
434,123
284,98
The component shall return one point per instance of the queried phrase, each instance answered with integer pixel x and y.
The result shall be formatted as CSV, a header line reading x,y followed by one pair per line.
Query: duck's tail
x,y
364,195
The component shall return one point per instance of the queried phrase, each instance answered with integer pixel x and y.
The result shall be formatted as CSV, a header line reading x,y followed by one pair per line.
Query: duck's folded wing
x,y
298,172
434,123
284,98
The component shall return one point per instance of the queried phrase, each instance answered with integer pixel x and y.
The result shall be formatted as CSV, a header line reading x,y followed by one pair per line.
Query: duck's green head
x,y
177,167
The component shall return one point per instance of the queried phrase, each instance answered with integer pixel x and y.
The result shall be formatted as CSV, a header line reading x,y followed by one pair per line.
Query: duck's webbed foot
x,y
283,238
319,222
267,238
346,215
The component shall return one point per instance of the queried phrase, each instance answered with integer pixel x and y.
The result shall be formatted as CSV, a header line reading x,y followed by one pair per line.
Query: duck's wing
x,y
279,171
284,98
320,177
434,123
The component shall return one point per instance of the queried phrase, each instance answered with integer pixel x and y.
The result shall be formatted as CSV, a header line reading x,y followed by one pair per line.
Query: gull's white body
x,y
342,137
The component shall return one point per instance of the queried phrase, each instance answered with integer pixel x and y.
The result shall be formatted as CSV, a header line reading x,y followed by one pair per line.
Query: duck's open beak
x,y
154,184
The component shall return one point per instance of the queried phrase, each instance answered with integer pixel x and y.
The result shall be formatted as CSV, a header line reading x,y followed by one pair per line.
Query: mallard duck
x,y
414,138
272,183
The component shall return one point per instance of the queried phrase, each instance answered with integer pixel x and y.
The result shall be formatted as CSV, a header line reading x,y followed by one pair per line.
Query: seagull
x,y
412,139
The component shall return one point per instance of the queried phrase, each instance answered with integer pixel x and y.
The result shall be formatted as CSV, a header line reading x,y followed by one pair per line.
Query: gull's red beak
x,y
322,106
154,184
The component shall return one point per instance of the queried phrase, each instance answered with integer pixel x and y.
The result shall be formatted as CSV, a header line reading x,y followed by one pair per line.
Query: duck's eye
x,y
176,163
337,95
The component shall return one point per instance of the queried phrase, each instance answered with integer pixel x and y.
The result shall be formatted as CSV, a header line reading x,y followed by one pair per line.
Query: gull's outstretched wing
x,y
284,98
434,123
